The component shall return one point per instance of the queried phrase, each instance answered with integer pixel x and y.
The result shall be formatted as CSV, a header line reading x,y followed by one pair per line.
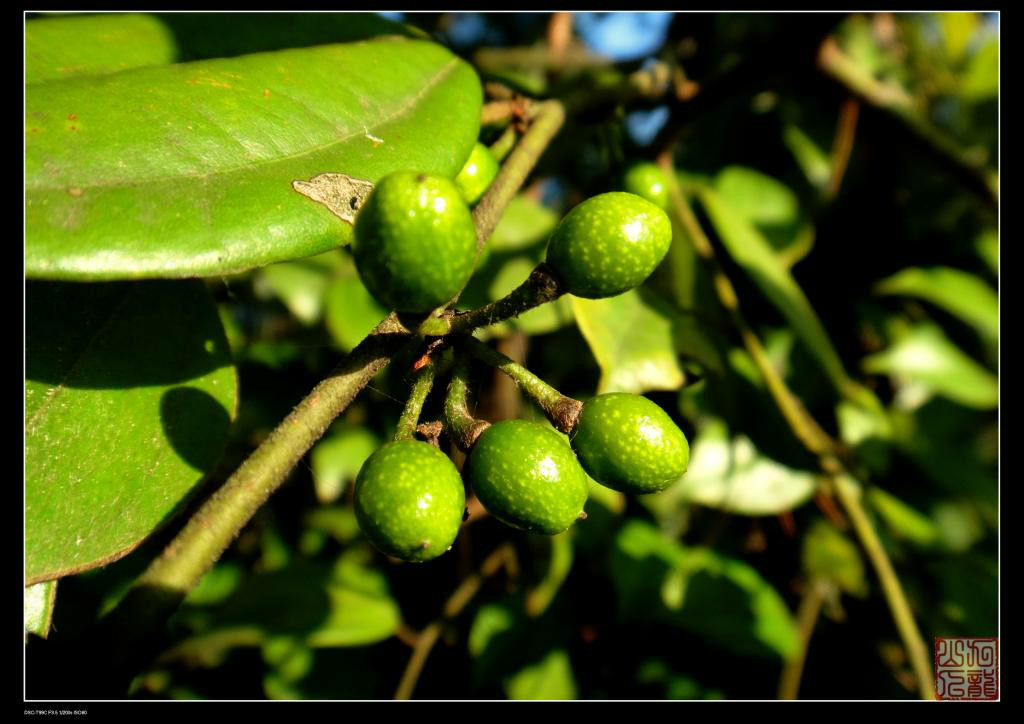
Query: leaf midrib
x,y
402,110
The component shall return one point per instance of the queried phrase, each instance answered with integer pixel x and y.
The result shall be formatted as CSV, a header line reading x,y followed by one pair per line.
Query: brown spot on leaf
x,y
76,192
72,116
343,195
266,93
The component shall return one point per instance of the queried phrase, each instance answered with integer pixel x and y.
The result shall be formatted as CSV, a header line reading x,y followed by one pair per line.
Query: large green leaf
x,y
76,45
927,357
959,293
218,166
757,258
716,597
128,400
631,336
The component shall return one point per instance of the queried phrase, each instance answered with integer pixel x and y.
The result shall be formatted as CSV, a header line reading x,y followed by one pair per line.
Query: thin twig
x,y
806,619
550,115
813,437
453,606
894,101
846,129
561,410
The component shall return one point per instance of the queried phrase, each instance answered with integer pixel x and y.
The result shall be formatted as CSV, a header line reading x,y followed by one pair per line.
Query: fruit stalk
x,y
561,410
541,287
414,404
462,426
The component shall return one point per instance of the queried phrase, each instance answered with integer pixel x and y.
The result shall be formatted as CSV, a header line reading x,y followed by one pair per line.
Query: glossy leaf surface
x,y
129,396
188,169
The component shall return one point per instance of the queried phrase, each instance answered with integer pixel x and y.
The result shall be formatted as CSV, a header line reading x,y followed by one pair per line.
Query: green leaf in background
x,y
903,520
307,603
631,337
77,45
957,31
39,601
814,161
216,585
350,311
539,320
188,169
771,207
300,285
754,254
987,247
514,249
759,198
129,397
524,224
731,475
339,522
549,679
959,293
926,356
337,458
677,686
981,77
491,620
719,598
830,555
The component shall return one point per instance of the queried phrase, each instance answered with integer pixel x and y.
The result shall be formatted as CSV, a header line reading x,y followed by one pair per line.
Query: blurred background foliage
x,y
843,166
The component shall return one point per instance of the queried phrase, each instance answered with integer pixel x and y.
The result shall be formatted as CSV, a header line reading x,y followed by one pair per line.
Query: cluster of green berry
x,y
415,248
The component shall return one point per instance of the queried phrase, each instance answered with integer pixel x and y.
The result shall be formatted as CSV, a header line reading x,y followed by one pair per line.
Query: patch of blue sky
x,y
643,126
623,36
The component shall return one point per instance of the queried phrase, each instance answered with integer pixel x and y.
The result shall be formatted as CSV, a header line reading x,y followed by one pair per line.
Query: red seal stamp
x,y
967,669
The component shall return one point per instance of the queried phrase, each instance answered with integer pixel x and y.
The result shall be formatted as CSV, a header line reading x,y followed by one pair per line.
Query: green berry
x,y
409,500
477,174
609,244
526,475
648,181
414,242
628,443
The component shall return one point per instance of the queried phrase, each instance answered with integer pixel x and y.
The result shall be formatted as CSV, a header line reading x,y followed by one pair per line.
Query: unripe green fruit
x,y
628,443
414,242
609,244
648,181
526,476
477,174
409,500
